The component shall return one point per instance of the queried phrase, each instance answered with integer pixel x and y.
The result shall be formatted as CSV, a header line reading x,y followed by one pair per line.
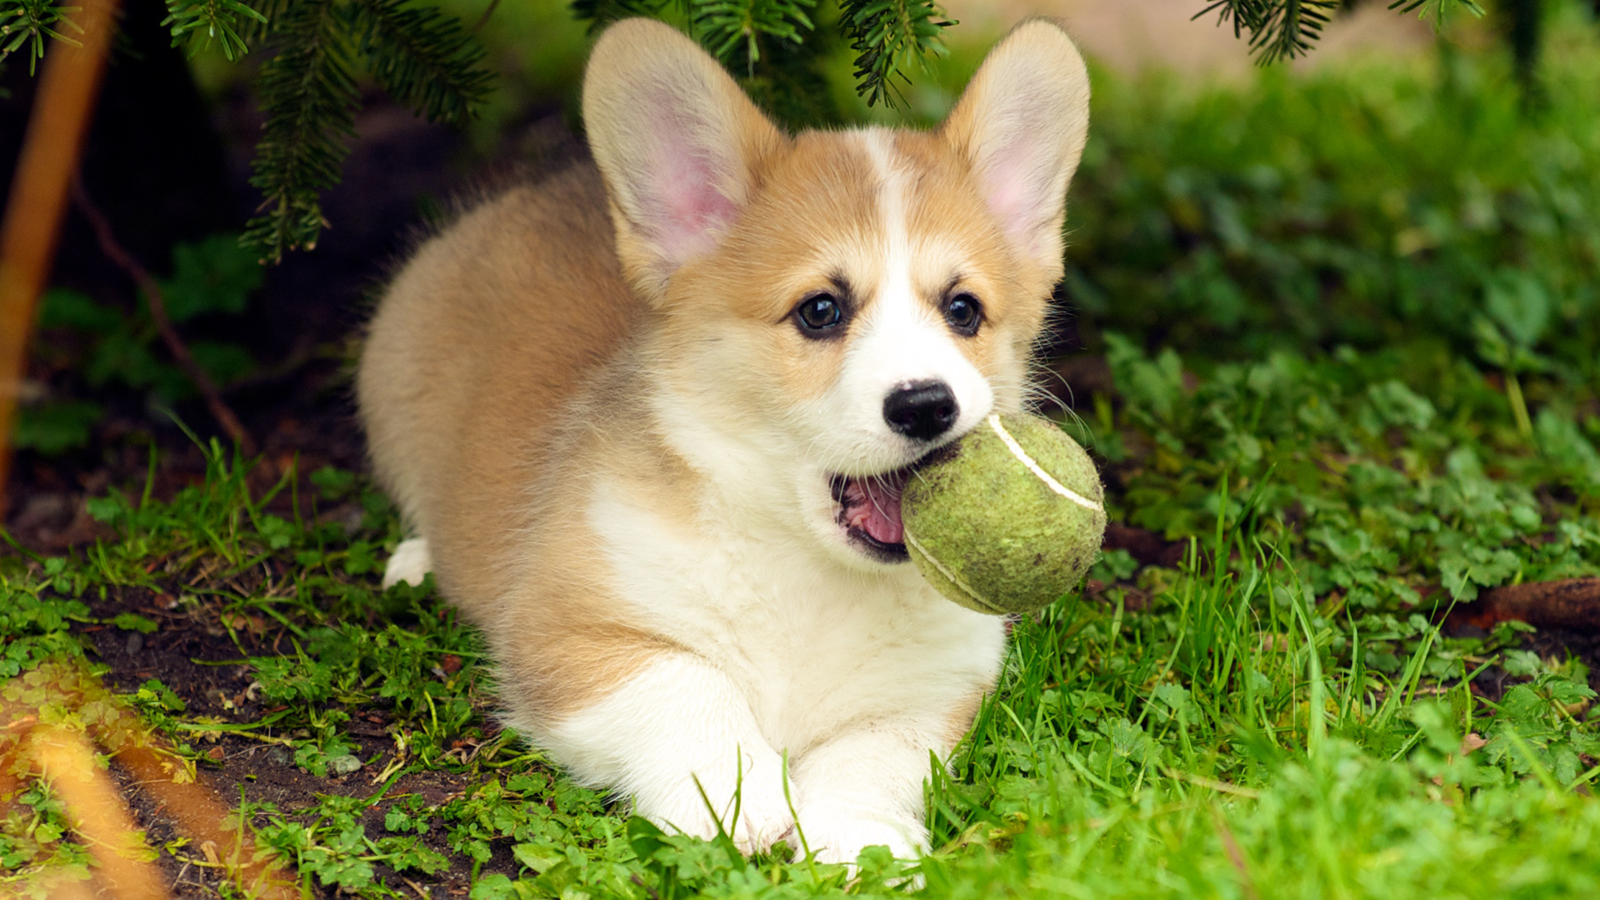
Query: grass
x,y
1349,328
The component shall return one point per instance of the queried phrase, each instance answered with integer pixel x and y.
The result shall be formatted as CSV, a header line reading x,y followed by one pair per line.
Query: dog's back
x,y
460,373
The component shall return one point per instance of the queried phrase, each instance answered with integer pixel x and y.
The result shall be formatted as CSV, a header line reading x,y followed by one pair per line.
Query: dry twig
x,y
61,112
1572,603
158,312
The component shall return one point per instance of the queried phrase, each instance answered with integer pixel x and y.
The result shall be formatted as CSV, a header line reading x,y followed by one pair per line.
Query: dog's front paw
x,y
837,833
756,818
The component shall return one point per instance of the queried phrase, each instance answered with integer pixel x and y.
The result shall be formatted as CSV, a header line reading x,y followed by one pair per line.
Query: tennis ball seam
x,y
1038,472
950,576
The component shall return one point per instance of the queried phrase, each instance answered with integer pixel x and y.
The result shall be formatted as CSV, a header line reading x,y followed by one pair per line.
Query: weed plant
x,y
88,346
1350,319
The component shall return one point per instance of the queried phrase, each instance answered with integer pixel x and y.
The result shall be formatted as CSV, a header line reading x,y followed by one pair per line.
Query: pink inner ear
x,y
1010,192
687,206
1019,159
683,206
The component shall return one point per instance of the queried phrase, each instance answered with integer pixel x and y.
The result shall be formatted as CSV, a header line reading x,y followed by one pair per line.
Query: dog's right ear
x,y
1022,124
677,141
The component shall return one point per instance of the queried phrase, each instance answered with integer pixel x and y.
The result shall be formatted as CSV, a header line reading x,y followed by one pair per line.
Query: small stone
x,y
343,765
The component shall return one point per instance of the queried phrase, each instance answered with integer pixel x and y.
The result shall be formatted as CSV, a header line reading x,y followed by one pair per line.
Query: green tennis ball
x,y
1010,520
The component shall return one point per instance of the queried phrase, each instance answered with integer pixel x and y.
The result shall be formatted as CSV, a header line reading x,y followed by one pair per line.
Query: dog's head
x,y
832,307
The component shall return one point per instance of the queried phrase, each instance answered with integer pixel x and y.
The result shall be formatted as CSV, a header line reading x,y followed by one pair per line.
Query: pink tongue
x,y
879,514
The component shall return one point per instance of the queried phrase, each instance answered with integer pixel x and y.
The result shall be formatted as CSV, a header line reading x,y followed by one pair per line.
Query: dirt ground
x,y
190,654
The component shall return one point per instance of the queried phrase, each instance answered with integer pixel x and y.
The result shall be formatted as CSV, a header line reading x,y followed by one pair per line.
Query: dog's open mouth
x,y
869,506
869,512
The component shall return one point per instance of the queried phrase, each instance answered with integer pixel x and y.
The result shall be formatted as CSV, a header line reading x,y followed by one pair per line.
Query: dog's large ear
x,y
677,142
1021,125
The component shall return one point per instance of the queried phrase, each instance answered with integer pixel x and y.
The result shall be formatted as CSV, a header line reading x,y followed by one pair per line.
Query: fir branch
x,y
1279,29
422,57
212,20
771,45
271,12
788,86
1437,10
723,26
309,100
1285,29
889,36
29,22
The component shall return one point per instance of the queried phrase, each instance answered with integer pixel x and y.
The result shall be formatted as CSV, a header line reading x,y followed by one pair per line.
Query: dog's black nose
x,y
922,410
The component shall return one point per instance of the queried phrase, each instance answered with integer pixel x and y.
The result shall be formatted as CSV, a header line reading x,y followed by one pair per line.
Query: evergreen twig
x,y
889,36
422,57
600,13
26,23
726,26
218,20
1437,10
1284,29
309,100
1279,29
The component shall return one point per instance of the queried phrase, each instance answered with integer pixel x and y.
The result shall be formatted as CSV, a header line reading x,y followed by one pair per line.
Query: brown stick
x,y
61,112
204,819
158,312
100,817
484,19
103,818
1572,603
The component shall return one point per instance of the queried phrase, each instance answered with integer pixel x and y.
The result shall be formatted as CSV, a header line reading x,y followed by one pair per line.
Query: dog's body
x,y
654,451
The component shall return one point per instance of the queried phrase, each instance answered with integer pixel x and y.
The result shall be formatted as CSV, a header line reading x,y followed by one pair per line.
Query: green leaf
x,y
134,622
215,275
63,308
57,426
1519,303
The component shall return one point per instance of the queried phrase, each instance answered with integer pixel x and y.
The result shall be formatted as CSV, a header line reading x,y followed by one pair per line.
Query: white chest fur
x,y
813,646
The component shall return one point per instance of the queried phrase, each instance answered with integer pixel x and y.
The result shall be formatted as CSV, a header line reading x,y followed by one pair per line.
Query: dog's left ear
x,y
678,143
1021,125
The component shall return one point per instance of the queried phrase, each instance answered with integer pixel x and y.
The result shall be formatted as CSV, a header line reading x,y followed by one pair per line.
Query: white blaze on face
x,y
901,337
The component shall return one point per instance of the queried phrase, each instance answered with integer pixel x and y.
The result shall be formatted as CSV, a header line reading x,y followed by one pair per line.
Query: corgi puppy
x,y
649,420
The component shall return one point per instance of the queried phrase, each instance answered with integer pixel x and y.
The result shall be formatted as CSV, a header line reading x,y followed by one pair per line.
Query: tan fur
x,y
460,374
466,347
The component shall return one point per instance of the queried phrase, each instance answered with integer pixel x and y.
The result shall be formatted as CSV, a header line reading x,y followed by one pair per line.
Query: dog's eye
x,y
819,313
964,313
